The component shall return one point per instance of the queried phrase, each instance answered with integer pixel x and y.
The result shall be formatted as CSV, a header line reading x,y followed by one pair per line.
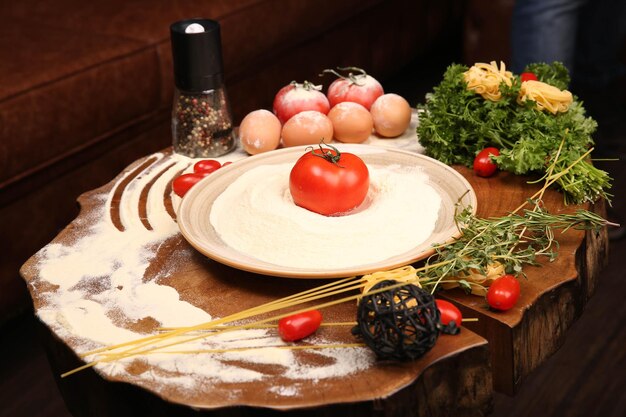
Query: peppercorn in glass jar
x,y
201,118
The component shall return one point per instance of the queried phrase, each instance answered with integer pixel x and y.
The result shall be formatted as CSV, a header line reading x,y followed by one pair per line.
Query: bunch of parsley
x,y
456,123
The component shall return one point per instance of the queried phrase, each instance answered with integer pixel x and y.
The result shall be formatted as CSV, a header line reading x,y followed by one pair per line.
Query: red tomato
x,y
328,182
528,76
483,165
206,166
359,88
503,293
226,163
299,325
295,98
183,183
449,312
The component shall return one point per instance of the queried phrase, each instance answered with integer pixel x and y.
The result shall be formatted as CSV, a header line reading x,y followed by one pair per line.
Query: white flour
x,y
102,285
256,215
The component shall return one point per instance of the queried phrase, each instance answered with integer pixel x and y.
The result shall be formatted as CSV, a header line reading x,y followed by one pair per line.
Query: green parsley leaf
x,y
456,123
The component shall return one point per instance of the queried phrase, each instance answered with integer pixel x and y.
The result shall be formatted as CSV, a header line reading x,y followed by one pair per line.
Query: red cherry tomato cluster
x,y
201,169
299,326
483,165
503,293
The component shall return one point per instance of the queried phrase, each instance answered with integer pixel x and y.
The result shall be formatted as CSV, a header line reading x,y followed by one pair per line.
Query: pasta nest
x,y
493,271
404,274
546,96
485,79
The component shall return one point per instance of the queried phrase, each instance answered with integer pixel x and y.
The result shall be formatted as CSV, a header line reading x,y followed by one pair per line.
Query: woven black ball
x,y
401,323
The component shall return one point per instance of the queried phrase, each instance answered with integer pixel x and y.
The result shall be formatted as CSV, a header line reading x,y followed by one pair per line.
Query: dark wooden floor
x,y
586,377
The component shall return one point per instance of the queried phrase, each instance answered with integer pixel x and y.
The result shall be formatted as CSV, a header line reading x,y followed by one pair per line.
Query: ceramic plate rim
x,y
234,170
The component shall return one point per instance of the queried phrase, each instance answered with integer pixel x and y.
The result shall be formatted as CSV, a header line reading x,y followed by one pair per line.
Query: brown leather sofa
x,y
86,87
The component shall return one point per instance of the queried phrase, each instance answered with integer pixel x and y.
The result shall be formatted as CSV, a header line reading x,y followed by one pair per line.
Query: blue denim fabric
x,y
586,35
544,31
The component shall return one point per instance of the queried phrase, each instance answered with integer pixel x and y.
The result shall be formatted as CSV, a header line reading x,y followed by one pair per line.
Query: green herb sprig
x,y
455,124
514,240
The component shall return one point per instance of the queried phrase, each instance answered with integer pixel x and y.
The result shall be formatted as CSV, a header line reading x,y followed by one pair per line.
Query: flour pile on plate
x,y
256,216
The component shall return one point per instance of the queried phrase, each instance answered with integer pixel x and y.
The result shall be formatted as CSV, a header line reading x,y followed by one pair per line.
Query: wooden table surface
x,y
457,377
552,296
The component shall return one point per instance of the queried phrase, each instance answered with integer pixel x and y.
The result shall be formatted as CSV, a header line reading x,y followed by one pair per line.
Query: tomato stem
x,y
327,153
307,85
351,77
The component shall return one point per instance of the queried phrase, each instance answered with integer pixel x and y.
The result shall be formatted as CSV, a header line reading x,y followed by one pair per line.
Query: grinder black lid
x,y
197,54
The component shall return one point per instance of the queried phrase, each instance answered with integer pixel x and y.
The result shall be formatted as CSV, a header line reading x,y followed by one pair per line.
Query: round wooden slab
x,y
454,376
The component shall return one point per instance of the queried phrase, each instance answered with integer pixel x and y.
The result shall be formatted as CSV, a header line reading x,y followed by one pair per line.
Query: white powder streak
x,y
156,211
350,360
102,286
257,216
284,391
129,204
88,319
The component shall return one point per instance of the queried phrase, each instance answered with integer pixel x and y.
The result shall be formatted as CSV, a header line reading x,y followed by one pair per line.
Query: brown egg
x,y
391,114
352,123
259,132
307,128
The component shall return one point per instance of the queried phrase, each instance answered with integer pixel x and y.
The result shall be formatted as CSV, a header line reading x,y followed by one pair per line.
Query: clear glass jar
x,y
202,124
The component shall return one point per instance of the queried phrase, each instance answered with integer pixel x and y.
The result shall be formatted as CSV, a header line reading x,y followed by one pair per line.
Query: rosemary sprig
x,y
513,240
487,241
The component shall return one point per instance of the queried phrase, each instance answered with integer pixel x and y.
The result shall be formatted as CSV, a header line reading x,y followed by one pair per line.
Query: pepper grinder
x,y
201,118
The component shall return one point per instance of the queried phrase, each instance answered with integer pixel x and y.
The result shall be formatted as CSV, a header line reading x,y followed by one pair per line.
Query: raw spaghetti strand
x,y
286,347
326,290
233,317
116,356
292,300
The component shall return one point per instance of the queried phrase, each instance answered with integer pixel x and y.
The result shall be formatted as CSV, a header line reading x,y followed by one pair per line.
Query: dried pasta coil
x,y
547,96
485,79
493,271
404,274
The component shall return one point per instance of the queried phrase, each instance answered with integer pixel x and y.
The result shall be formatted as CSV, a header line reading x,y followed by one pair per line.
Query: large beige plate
x,y
194,211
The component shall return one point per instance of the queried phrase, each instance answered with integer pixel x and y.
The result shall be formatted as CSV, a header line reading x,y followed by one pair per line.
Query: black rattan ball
x,y
401,323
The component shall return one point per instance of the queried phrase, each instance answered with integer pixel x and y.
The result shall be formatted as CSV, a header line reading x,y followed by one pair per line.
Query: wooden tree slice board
x,y
130,214
552,297
454,377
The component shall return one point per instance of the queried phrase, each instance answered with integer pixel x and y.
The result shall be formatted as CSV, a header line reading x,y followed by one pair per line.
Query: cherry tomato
x,y
528,76
206,166
184,182
295,98
359,88
449,312
503,293
299,325
328,182
483,165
